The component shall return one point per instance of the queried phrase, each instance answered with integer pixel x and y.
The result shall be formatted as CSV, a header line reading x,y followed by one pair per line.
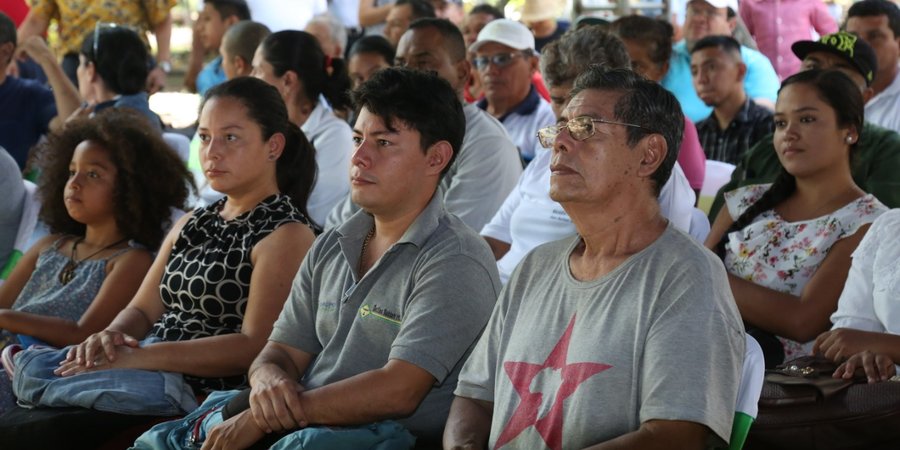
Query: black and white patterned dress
x,y
206,283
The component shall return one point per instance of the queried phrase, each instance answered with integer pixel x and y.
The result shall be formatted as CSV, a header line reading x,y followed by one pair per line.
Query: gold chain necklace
x,y
362,252
68,271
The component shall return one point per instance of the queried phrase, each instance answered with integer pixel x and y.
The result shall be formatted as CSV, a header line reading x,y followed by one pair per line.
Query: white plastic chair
x,y
27,224
717,174
748,395
699,225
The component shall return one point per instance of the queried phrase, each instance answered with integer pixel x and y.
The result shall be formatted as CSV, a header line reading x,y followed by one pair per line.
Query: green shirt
x,y
876,166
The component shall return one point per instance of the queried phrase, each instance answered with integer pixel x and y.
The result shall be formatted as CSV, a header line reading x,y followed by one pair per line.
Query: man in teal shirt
x,y
708,18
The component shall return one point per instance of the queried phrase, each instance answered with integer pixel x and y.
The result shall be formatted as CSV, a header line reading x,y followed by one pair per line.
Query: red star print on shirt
x,y
522,374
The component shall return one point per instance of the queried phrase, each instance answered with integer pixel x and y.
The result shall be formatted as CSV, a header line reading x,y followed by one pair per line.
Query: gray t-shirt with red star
x,y
570,364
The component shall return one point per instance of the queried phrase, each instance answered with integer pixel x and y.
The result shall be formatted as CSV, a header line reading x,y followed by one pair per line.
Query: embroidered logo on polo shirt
x,y
366,311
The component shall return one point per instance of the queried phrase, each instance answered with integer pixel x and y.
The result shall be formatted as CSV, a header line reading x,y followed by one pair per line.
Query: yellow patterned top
x,y
76,18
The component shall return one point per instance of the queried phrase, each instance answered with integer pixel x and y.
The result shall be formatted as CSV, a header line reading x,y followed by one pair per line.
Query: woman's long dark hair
x,y
300,52
296,169
839,92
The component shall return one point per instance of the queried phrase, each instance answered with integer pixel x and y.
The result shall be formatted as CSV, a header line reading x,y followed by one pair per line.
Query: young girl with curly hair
x,y
108,189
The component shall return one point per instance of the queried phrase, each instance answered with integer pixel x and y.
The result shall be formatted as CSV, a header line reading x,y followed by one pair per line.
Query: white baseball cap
x,y
721,4
507,32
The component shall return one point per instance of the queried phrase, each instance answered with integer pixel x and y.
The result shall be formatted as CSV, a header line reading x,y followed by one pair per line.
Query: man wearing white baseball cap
x,y
708,18
505,59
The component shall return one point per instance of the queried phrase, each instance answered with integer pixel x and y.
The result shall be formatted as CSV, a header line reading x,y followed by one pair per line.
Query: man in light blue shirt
x,y
706,18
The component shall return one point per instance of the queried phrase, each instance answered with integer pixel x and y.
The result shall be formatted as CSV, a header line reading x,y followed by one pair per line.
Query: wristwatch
x,y
166,66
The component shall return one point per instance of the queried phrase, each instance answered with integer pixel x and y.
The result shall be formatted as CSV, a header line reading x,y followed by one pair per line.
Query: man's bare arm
x,y
660,435
468,425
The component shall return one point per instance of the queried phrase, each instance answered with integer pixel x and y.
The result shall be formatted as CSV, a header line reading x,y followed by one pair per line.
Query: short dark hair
x,y
373,43
300,51
868,8
228,8
243,38
727,44
123,60
7,29
576,50
490,10
151,178
644,103
420,8
295,170
422,100
453,38
652,33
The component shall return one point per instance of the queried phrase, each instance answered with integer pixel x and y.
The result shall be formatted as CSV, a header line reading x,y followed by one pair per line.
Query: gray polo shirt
x,y
425,301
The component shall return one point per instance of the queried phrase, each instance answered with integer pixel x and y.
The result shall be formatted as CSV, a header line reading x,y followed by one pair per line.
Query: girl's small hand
x,y
106,341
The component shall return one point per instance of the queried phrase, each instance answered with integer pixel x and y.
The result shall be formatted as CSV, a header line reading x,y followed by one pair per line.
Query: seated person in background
x,y
487,165
368,55
239,44
528,216
220,278
787,245
330,33
736,122
709,18
402,13
866,326
12,204
649,45
216,17
541,17
108,186
112,73
26,106
877,22
386,307
876,166
293,62
505,59
606,366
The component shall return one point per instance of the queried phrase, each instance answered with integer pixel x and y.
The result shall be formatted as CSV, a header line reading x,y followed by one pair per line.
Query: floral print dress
x,y
782,255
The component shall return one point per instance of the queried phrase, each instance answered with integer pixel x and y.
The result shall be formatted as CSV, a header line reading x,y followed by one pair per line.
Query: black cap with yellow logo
x,y
847,45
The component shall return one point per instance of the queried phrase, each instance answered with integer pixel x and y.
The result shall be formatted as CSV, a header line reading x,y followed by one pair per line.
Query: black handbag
x,y
803,407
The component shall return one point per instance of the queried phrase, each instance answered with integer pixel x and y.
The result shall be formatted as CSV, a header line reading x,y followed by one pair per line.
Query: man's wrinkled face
x,y
510,80
703,19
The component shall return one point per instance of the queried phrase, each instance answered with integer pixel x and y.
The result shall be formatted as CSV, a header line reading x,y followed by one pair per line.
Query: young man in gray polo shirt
x,y
387,306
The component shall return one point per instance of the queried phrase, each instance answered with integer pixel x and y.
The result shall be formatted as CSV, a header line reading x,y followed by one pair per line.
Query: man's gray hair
x,y
335,28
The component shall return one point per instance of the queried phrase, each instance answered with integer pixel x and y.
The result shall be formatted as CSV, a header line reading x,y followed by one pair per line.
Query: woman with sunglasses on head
x,y
787,245
112,72
294,63
221,277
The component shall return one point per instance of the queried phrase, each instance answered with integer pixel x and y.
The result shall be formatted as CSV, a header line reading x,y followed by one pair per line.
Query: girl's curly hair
x,y
150,180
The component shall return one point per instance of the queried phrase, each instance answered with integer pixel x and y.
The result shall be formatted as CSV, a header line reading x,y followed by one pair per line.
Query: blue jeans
x,y
122,391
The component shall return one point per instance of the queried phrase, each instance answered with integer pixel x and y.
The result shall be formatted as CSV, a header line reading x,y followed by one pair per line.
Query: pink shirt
x,y
776,24
691,157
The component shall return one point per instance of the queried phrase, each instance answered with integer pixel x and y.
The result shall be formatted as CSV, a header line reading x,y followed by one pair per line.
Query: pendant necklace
x,y
68,271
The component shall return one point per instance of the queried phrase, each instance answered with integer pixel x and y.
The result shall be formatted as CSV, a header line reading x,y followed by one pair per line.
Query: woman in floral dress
x,y
787,245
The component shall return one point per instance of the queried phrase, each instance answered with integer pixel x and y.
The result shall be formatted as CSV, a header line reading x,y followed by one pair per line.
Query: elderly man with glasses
x,y
614,306
506,60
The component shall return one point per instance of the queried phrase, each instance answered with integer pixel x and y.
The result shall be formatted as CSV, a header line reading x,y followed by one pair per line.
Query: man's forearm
x,y
163,33
659,435
468,425
379,394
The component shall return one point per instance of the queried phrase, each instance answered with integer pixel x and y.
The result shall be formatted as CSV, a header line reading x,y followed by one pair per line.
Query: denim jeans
x,y
122,391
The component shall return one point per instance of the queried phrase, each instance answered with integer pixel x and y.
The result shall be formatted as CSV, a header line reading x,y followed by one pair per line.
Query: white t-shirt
x,y
869,299
333,140
529,217
884,108
281,15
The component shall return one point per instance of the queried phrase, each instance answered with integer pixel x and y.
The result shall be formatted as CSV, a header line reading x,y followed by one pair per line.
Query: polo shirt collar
x,y
354,231
526,107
